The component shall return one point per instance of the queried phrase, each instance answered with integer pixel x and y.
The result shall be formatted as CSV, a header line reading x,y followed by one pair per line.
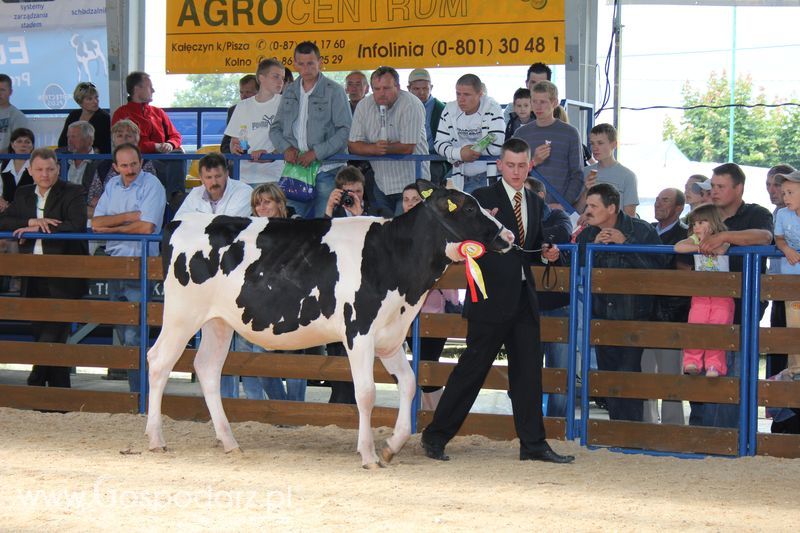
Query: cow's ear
x,y
426,188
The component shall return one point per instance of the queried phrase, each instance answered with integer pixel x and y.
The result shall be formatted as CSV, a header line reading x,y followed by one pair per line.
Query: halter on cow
x,y
289,284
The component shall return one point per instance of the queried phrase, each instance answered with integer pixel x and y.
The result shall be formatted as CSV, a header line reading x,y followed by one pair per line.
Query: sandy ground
x,y
84,471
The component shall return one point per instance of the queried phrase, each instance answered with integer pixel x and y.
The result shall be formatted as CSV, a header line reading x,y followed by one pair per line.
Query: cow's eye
x,y
469,208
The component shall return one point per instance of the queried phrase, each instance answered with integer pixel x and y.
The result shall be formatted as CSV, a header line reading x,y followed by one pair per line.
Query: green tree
x,y
788,135
209,90
703,133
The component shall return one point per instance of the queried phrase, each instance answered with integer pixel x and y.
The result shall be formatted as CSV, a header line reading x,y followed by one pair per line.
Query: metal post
x,y
744,351
733,88
754,359
415,351
617,62
144,332
572,343
586,358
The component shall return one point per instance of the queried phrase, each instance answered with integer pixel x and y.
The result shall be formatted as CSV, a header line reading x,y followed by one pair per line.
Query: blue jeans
x,y
255,387
387,203
556,355
123,290
322,190
475,182
720,415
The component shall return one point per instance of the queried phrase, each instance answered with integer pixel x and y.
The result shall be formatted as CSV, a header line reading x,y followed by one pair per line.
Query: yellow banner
x,y
208,36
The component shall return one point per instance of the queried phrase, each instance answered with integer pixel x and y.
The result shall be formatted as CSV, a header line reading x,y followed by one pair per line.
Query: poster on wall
x,y
208,36
48,47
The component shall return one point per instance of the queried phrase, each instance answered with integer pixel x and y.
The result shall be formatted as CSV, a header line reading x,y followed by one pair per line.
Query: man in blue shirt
x,y
133,203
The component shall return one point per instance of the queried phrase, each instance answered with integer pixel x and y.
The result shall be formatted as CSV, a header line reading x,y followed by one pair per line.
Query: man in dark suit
x,y
48,206
509,316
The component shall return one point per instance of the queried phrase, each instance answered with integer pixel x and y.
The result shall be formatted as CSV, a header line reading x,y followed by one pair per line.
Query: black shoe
x,y
434,451
547,455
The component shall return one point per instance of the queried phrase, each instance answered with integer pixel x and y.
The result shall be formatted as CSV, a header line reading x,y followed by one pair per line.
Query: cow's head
x,y
463,219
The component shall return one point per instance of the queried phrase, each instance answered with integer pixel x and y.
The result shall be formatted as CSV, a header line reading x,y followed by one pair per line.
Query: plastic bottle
x,y
243,144
383,135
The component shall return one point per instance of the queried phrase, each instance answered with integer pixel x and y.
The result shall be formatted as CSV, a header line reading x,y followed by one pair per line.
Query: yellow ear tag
x,y
427,193
451,206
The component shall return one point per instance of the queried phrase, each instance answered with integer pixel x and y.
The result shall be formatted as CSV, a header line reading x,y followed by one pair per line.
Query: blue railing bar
x,y
744,349
150,237
755,335
586,359
574,269
416,346
144,330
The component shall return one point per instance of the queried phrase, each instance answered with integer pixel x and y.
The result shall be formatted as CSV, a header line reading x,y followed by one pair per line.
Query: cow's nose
x,y
507,236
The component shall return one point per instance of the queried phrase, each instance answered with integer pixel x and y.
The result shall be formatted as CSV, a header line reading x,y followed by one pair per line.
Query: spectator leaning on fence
x,y
133,203
390,122
49,205
11,118
313,124
787,238
608,224
748,225
471,118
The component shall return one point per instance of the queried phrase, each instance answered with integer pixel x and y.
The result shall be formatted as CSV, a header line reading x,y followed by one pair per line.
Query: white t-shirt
x,y
470,131
257,118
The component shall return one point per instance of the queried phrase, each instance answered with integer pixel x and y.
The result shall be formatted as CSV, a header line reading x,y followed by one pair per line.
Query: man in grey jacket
x,y
312,124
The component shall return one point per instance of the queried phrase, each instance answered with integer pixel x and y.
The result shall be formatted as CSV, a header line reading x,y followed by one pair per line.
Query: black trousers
x,y
341,391
42,375
520,335
777,362
622,359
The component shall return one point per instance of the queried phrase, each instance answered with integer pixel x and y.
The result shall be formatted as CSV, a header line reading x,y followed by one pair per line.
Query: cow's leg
x,y
161,359
362,359
214,346
397,365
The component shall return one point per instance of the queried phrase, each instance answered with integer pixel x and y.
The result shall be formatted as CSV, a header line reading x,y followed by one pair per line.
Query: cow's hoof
x,y
374,466
158,449
234,451
386,452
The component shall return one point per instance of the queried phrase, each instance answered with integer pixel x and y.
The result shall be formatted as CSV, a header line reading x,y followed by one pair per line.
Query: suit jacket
x,y
502,273
65,202
10,185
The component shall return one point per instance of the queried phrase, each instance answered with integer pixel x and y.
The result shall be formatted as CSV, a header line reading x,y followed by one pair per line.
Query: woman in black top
x,y
15,171
87,98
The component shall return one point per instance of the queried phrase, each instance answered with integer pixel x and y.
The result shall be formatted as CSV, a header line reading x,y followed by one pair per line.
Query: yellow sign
x,y
207,36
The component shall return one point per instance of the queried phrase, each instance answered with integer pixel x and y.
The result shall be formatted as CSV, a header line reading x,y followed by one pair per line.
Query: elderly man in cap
x,y
419,84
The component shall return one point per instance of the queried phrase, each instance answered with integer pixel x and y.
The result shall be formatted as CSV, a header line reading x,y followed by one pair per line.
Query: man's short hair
x,y
698,178
358,73
307,47
126,124
349,174
383,71
212,160
265,64
545,87
288,77
43,153
133,79
87,130
84,90
522,93
780,169
472,80
733,170
5,78
127,146
248,78
605,129
608,194
515,146
535,185
680,198
540,68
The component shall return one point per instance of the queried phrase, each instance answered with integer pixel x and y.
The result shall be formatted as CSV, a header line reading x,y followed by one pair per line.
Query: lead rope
x,y
549,276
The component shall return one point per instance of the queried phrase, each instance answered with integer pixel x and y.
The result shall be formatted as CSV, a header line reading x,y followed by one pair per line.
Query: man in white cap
x,y
419,84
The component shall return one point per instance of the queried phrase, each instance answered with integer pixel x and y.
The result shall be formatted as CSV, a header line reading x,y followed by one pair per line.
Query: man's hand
x,y
591,180
307,158
255,155
333,200
468,155
3,205
380,148
556,205
713,244
541,153
550,252
290,155
610,236
236,146
41,225
164,148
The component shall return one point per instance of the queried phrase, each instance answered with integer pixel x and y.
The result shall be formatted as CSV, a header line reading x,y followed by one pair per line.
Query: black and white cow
x,y
288,284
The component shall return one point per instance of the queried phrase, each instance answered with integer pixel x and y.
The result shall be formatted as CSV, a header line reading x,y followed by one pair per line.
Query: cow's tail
x,y
166,245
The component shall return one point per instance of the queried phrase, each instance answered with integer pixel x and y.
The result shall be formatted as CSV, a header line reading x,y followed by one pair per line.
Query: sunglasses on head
x,y
85,84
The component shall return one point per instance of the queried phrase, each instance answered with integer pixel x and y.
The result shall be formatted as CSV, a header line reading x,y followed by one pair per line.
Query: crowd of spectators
x,y
309,119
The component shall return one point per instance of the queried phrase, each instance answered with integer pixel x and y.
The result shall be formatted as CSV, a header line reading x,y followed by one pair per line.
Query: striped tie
x,y
518,216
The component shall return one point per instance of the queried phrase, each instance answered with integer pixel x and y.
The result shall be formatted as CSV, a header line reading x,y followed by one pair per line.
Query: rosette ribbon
x,y
471,250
